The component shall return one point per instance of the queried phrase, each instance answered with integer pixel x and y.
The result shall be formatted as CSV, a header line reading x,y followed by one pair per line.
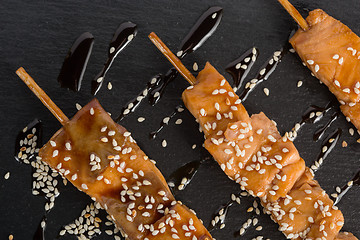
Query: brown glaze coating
x,y
179,223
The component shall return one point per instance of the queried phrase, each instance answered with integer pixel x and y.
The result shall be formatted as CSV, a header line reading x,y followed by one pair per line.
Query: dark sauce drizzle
x,y
320,132
165,121
40,231
266,70
240,67
122,37
326,147
354,181
182,176
76,60
199,33
314,113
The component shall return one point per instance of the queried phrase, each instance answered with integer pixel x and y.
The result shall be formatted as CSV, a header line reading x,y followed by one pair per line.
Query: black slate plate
x,y
38,34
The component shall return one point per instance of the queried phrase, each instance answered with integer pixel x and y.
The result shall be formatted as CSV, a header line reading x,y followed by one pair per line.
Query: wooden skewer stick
x,y
294,14
44,98
172,58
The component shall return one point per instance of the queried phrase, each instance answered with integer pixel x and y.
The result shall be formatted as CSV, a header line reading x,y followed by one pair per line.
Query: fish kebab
x,y
100,158
331,51
251,152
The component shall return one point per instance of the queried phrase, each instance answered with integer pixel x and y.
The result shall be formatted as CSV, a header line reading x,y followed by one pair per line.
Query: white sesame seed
x,y
336,56
92,111
109,86
337,83
55,153
7,175
317,68
266,91
341,60
179,53
195,66
68,146
178,121
311,62
164,143
299,84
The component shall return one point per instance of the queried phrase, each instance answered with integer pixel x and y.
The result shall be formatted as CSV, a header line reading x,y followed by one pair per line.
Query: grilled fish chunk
x,y
330,50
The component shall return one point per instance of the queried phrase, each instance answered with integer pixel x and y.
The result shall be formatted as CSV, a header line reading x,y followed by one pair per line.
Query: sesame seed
x,y
351,131
55,153
179,53
92,111
317,68
195,66
262,71
109,86
178,121
311,62
341,60
266,91
164,143
78,106
7,175
68,146
299,84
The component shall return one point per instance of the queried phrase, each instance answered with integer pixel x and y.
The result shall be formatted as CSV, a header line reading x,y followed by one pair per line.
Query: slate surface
x,y
37,35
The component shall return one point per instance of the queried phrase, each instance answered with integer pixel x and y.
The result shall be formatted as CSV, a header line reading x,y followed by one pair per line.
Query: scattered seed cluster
x,y
87,225
45,180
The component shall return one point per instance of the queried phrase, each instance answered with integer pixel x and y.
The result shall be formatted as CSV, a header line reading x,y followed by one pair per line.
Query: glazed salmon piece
x,y
179,223
101,158
330,50
285,180
245,140
252,152
306,211
261,171
213,102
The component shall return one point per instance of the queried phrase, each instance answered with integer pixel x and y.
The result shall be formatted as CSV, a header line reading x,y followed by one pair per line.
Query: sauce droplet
x,y
240,67
320,132
124,34
354,181
198,34
265,71
326,147
182,176
74,65
165,121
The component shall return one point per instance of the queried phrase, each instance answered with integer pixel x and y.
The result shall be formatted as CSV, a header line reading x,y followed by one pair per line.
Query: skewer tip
x,y
175,61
